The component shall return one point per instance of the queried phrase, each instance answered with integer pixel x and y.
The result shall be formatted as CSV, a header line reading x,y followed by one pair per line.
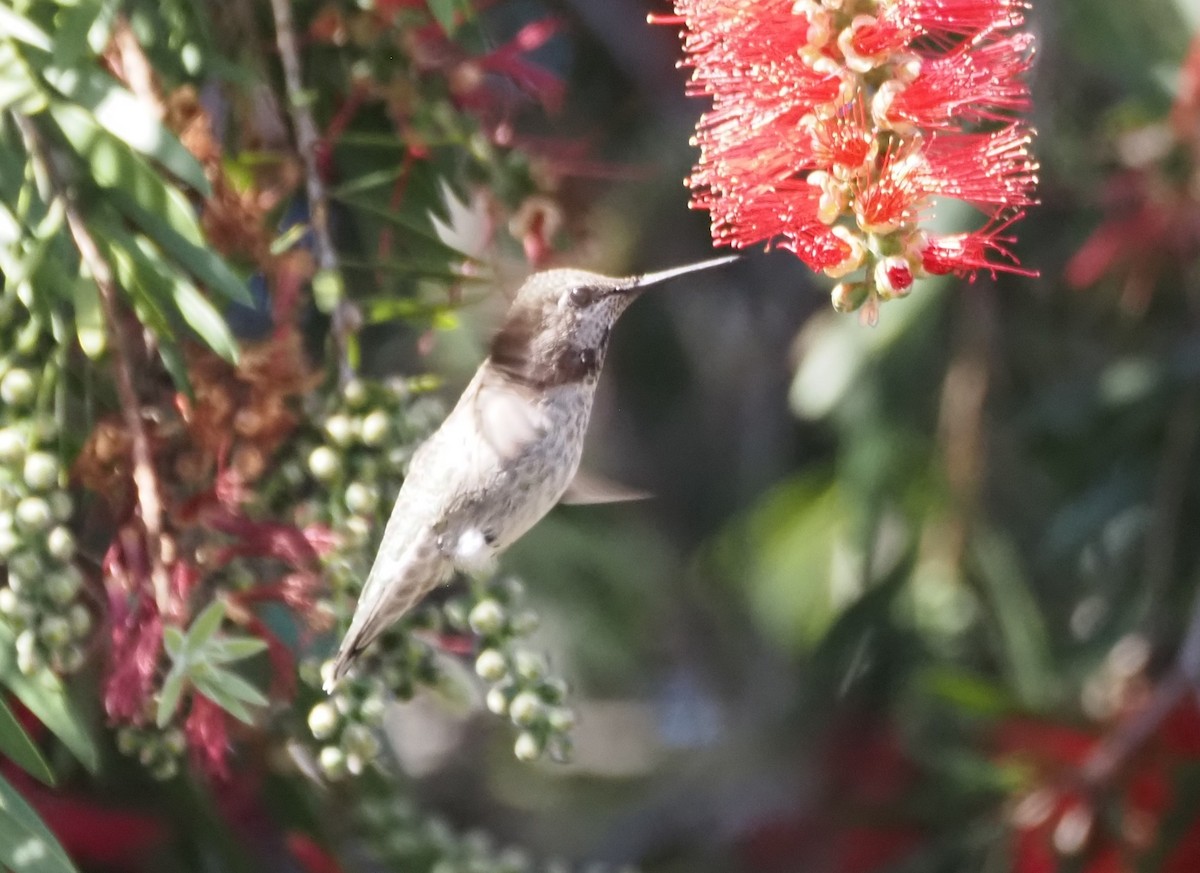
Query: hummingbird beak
x,y
648,279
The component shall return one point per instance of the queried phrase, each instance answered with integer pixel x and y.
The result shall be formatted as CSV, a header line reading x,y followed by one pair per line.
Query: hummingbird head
x,y
557,330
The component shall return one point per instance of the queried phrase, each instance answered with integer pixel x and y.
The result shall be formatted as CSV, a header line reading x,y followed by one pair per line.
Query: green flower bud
x,y
18,388
356,394
41,471
497,701
323,720
525,622
528,747
24,568
69,659
60,543
359,740
79,617
554,689
487,617
174,741
357,531
29,659
62,506
341,429
10,541
332,762
10,603
324,463
361,498
33,515
530,666
167,768
128,741
560,718
63,585
525,709
376,428
372,711
491,665
12,446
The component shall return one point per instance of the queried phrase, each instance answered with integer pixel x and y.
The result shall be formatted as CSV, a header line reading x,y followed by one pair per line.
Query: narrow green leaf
x,y
430,241
115,166
17,26
45,696
168,698
26,844
204,626
15,743
129,120
1018,619
367,181
204,264
16,84
222,698
236,686
225,650
89,319
175,292
72,23
173,641
204,319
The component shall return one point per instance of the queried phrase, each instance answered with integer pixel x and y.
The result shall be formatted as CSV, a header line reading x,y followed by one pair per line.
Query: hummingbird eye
x,y
580,296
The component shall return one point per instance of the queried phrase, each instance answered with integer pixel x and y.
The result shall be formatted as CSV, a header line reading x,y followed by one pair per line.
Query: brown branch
x,y
144,478
308,140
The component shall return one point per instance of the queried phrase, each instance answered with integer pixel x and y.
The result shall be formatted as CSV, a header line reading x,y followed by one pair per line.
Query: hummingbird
x,y
508,451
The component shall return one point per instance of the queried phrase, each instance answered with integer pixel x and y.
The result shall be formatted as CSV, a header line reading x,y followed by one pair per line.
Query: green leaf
x,y
15,743
16,84
168,698
26,844
19,27
89,319
217,694
431,243
204,626
168,289
235,686
45,696
204,264
1018,619
115,166
228,649
173,641
203,318
129,120
72,23
450,14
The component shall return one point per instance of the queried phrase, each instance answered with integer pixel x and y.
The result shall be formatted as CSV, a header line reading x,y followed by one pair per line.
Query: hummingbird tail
x,y
382,604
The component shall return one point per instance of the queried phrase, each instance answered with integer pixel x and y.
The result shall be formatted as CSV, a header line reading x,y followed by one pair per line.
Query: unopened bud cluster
x,y
41,595
160,751
403,839
521,685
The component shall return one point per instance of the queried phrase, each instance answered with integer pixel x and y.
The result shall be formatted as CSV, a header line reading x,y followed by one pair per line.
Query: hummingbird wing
x,y
588,488
507,415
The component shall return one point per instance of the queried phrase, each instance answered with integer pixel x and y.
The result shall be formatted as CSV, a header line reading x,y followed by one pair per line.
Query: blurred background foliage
x,y
914,598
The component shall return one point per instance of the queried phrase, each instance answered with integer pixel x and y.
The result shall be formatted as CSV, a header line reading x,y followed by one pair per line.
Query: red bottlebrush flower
x,y
136,645
835,123
207,732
